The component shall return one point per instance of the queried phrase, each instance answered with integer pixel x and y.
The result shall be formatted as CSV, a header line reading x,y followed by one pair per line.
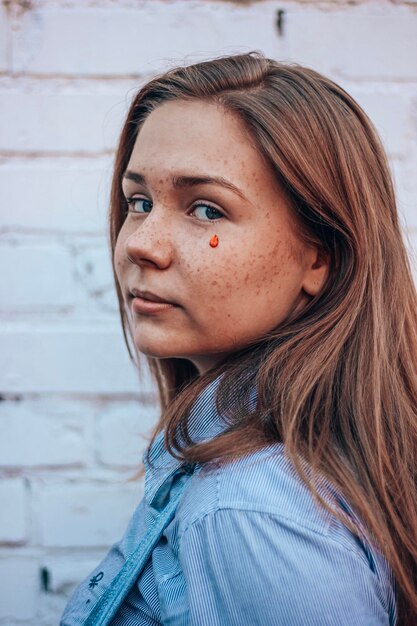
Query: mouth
x,y
148,296
146,302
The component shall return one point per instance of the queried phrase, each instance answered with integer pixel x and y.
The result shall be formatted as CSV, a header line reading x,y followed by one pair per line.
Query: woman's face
x,y
225,296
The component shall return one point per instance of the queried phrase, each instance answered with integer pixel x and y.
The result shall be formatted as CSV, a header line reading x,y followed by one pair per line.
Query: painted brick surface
x,y
75,416
19,589
95,277
90,123
87,514
123,433
67,360
382,107
57,196
4,40
13,519
140,41
43,433
34,287
360,42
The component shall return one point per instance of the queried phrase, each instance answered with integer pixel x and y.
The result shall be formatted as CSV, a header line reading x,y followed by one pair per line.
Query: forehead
x,y
198,136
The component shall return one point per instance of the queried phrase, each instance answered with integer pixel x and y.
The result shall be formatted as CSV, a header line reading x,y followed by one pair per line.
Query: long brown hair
x,y
338,383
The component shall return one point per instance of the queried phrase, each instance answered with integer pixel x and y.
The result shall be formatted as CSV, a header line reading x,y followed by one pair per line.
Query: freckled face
x,y
226,295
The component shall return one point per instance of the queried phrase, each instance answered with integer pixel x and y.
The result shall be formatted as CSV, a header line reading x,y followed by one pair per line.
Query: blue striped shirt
x,y
247,545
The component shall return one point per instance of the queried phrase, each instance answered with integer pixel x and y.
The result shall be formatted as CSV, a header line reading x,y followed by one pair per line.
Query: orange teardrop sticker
x,y
214,241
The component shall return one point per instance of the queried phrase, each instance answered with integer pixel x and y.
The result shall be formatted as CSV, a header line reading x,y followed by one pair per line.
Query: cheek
x,y
250,270
234,268
213,270
254,264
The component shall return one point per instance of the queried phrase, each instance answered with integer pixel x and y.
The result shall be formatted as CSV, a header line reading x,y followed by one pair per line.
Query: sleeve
x,y
250,567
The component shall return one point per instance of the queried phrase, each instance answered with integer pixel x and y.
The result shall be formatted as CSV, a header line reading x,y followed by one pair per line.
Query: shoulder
x,y
257,514
264,481
265,484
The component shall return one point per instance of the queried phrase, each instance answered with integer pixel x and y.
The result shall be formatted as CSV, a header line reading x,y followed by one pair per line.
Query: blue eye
x,y
131,202
210,211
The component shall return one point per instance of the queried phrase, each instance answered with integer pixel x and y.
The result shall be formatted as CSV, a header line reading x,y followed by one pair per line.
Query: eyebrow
x,y
181,182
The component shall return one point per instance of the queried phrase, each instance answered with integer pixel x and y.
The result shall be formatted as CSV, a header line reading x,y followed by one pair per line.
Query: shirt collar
x,y
204,423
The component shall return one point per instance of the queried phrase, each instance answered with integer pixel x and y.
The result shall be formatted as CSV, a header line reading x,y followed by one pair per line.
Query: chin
x,y
168,344
159,352
161,348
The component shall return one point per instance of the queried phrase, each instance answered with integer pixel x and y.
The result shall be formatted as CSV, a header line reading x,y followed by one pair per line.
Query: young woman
x,y
260,267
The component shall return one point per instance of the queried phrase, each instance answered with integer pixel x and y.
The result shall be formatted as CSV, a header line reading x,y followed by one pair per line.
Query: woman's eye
x,y
208,211
134,205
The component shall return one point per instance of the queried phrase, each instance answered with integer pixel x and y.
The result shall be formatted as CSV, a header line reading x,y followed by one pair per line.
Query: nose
x,y
151,242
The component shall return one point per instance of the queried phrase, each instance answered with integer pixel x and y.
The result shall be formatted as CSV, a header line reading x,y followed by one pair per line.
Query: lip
x,y
148,296
140,305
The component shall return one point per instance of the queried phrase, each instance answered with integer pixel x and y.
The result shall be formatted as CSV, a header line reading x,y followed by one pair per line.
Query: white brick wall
x,y
42,433
74,415
58,121
121,433
14,511
82,513
19,589
33,286
67,195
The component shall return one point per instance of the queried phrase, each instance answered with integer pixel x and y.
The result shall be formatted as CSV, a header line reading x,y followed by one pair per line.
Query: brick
x,y
85,514
5,36
94,273
87,359
363,42
123,431
64,123
43,433
36,285
124,40
60,195
391,114
19,588
13,523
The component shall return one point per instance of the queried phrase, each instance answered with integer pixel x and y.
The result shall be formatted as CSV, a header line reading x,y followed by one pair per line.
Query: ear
x,y
317,271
